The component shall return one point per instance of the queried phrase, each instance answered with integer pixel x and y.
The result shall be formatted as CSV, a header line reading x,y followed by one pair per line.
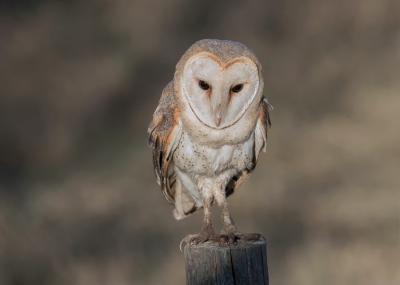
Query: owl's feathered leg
x,y
229,231
208,232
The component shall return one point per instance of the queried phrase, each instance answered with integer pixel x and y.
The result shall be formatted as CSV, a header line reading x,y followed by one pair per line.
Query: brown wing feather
x,y
164,133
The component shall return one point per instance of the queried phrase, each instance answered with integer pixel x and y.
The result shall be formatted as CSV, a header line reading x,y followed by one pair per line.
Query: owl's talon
x,y
188,240
194,241
223,239
233,239
180,245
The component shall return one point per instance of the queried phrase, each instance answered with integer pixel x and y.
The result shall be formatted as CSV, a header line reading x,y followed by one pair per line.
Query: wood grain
x,y
239,264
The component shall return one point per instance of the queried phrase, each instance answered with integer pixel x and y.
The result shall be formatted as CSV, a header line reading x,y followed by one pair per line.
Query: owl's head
x,y
219,80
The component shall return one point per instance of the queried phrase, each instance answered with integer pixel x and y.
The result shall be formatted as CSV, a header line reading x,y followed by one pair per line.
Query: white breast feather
x,y
195,162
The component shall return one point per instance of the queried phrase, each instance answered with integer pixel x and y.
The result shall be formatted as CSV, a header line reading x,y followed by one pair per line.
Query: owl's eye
x,y
203,85
237,88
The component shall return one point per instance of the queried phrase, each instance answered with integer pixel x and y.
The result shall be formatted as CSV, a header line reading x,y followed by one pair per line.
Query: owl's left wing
x,y
263,124
165,131
260,143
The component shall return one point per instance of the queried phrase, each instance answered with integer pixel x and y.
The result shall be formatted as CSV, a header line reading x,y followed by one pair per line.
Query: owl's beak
x,y
219,103
217,121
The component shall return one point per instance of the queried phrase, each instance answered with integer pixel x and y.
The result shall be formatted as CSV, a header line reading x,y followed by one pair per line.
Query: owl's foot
x,y
203,236
231,237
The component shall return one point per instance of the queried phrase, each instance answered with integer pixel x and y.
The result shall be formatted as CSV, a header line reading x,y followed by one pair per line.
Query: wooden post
x,y
239,264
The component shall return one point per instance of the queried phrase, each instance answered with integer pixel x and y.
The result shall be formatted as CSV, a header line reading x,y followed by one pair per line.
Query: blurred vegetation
x,y
79,81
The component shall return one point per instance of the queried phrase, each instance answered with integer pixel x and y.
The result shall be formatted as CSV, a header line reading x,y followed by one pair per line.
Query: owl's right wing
x,y
165,131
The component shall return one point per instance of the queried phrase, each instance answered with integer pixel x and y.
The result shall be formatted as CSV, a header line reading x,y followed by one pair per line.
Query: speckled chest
x,y
209,159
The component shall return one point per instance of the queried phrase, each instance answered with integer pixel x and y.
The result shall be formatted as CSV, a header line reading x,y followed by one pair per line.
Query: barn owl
x,y
207,132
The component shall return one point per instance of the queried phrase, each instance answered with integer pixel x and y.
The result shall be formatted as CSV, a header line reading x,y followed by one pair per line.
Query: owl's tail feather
x,y
184,203
180,216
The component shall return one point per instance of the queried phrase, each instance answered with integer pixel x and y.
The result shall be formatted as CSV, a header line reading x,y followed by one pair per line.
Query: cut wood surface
x,y
239,264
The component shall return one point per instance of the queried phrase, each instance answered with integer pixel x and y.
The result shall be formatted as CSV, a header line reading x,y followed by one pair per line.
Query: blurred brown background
x,y
79,81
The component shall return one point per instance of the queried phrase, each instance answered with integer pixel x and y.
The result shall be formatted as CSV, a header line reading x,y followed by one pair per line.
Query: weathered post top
x,y
238,264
